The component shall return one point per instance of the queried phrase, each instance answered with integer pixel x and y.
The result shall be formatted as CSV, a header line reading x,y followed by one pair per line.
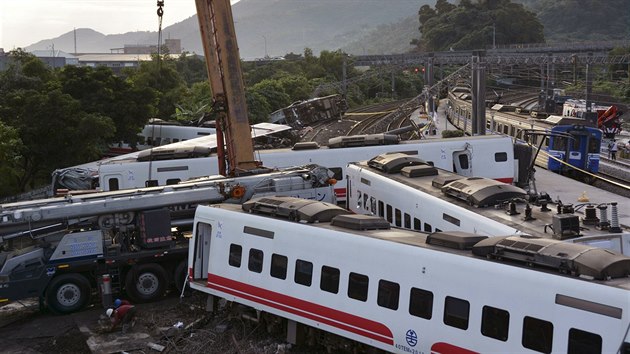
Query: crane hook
x,y
160,10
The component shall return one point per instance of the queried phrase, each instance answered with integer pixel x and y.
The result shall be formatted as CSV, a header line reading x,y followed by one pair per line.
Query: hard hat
x,y
117,303
109,312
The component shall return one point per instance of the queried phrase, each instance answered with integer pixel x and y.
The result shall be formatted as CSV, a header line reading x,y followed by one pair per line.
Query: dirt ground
x,y
27,330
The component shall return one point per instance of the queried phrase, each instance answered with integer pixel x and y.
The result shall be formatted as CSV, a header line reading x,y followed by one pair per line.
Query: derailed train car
x,y
304,113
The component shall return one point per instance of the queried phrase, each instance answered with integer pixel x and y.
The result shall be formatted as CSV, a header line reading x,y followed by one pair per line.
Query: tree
x,y
161,77
101,92
472,25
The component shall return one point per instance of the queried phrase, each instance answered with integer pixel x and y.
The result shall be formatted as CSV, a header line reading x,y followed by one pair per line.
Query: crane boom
x,y
218,36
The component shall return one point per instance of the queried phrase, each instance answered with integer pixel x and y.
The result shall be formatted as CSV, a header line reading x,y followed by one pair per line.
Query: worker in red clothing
x,y
125,315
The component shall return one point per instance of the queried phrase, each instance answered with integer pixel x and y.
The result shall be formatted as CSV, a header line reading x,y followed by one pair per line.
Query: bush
x,y
452,133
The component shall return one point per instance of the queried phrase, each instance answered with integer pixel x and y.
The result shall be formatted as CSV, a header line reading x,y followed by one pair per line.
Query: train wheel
x,y
68,293
147,282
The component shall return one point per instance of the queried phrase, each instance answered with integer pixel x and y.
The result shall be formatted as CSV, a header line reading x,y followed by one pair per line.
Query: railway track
x,y
363,120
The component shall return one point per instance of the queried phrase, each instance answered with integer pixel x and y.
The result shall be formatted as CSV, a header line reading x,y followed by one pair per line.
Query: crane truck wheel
x,y
68,293
146,282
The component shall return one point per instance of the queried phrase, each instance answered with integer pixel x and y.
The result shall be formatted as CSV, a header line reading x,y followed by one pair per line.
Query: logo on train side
x,y
411,337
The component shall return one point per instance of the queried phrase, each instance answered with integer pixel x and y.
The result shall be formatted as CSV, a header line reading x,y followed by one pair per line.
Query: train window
x,y
533,139
463,161
365,201
388,294
149,141
417,224
407,221
576,143
255,260
453,220
113,184
428,227
500,156
236,252
381,209
330,279
398,215
389,213
303,272
359,199
172,181
175,140
537,334
513,131
437,230
151,183
456,312
593,145
421,303
337,173
559,144
279,266
495,323
373,205
505,129
546,141
358,286
582,342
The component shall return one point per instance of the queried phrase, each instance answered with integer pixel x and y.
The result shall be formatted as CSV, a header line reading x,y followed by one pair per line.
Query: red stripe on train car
x,y
507,180
340,192
445,348
342,320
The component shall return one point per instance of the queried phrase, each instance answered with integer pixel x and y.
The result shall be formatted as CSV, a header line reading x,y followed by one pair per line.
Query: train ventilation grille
x,y
294,209
564,257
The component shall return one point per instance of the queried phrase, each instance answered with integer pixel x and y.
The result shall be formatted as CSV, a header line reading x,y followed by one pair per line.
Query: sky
x,y
24,22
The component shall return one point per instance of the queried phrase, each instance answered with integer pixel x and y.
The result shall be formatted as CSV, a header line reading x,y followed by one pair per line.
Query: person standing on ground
x,y
613,150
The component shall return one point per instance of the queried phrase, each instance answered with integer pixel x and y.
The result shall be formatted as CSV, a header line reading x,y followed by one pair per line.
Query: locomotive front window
x,y
593,145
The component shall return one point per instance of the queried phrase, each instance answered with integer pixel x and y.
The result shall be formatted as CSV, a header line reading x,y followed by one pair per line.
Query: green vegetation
x,y
52,119
472,25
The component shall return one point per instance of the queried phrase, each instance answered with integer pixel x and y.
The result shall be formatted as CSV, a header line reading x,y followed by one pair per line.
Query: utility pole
x,y
478,93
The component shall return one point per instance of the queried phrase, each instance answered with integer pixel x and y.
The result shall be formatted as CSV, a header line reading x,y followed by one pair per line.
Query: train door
x,y
203,236
577,150
112,182
462,162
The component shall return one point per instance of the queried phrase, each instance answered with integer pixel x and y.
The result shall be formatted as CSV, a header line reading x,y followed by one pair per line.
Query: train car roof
x,y
491,199
551,256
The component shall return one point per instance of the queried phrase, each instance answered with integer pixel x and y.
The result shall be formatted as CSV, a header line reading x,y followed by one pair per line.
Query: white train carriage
x,y
409,292
411,194
467,156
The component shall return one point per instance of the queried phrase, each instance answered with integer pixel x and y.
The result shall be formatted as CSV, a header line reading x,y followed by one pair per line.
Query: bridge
x,y
537,53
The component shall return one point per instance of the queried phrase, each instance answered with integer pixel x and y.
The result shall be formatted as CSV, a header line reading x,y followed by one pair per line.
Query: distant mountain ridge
x,y
285,25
